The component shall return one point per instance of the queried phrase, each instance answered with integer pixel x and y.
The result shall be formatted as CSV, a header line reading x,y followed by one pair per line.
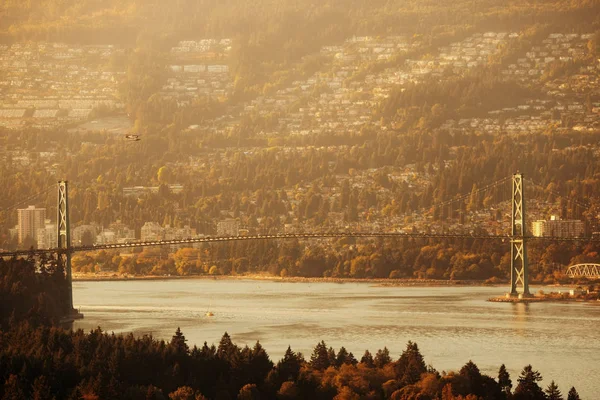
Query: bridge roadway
x,y
324,235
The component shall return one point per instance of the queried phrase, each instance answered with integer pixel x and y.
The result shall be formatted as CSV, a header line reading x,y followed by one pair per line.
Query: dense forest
x,y
41,361
33,293
348,258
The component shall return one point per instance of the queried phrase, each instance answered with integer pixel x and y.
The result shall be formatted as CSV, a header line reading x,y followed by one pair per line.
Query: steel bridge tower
x,y
64,236
519,268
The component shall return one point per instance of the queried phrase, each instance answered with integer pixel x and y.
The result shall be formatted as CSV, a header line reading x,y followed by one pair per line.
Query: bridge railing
x,y
307,235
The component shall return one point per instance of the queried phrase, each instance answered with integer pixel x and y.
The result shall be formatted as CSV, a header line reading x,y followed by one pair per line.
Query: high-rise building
x,y
557,227
47,236
30,219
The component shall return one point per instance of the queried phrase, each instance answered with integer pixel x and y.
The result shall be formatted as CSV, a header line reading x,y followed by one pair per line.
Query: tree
x,y
41,389
87,239
289,366
573,395
178,342
473,199
319,359
552,392
248,392
382,357
342,357
410,365
504,380
260,365
473,378
164,175
288,391
345,393
227,350
528,389
186,393
331,356
13,388
367,359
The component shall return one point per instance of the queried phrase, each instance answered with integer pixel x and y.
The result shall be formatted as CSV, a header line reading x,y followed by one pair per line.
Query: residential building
x,y
152,231
30,219
47,236
79,232
556,227
107,236
228,227
123,233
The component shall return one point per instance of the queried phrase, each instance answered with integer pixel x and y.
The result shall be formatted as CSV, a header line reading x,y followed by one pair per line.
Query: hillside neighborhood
x,y
53,85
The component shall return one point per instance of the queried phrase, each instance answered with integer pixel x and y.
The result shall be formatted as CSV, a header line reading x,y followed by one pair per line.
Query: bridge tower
x,y
64,236
519,268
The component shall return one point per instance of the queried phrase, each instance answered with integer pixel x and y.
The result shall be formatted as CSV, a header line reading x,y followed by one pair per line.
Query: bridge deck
x,y
213,239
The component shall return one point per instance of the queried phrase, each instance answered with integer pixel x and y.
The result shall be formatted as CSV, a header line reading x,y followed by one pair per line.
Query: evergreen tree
x,y
351,359
319,359
228,351
504,380
331,356
410,365
552,392
41,389
13,388
382,357
573,395
178,342
342,357
260,364
367,359
528,389
289,366
470,372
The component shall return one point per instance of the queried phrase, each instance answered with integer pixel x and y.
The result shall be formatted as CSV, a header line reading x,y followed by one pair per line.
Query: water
x,y
451,325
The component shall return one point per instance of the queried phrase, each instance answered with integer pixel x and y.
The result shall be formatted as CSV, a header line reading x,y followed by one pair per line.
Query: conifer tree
x,y
289,366
319,359
382,357
351,359
410,365
228,351
473,378
528,389
573,395
504,380
331,356
178,342
553,393
342,357
367,359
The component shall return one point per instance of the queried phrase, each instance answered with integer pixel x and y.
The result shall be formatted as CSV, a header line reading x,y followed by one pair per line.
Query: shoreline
x,y
538,299
294,279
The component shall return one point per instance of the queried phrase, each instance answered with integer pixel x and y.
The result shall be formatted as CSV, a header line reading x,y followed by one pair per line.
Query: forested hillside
x,y
303,117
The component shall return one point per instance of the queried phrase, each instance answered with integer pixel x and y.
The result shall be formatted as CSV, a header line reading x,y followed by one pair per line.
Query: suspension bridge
x,y
518,237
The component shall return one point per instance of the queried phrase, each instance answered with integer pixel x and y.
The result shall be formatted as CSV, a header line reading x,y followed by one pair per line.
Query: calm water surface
x,y
451,325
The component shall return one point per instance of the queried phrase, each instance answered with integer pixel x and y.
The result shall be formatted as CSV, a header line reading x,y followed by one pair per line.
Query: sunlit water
x,y
451,325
